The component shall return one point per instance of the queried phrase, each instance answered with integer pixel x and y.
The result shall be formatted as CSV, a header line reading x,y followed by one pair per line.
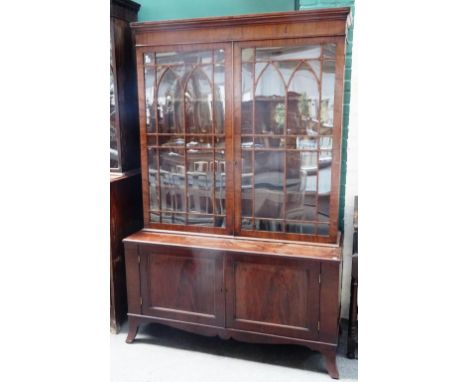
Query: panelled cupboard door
x,y
273,295
182,284
186,136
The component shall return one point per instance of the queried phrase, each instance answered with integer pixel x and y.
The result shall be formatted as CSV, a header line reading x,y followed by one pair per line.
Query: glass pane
x,y
155,217
200,220
153,181
171,141
269,142
247,97
296,186
200,181
324,186
114,153
259,68
323,229
247,143
270,103
301,143
303,101
288,53
220,143
301,228
329,50
269,225
219,55
247,224
170,113
184,58
172,173
328,96
151,140
315,66
220,182
220,221
198,97
200,142
326,142
287,68
219,98
269,181
173,218
148,58
247,54
246,181
149,100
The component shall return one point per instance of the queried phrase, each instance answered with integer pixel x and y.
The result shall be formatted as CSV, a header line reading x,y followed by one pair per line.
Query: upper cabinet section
x,y
240,123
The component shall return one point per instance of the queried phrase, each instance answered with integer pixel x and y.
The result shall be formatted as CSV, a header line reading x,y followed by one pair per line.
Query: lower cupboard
x,y
252,291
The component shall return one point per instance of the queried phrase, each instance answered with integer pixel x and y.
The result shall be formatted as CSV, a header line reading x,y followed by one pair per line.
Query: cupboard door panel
x,y
182,284
272,295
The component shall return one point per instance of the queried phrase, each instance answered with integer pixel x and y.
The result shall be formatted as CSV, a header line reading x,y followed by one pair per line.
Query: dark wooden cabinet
x,y
240,130
125,177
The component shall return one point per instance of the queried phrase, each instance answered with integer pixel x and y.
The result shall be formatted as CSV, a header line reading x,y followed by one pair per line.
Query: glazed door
x,y
183,284
186,137
273,295
288,137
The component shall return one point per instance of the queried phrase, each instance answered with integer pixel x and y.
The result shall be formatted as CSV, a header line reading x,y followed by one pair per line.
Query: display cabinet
x,y
240,130
125,178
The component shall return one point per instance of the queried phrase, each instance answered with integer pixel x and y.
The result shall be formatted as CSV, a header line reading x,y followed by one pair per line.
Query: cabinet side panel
x,y
329,301
132,269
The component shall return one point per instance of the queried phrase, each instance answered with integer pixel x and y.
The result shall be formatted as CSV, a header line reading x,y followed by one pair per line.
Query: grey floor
x,y
162,354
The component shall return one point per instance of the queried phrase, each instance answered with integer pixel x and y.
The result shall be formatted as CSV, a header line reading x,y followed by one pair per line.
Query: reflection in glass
x,y
328,96
170,112
303,100
269,225
270,103
114,153
184,58
155,217
269,182
324,187
173,218
171,141
200,220
148,58
153,182
323,229
295,227
288,53
198,97
172,173
247,99
149,97
219,98
220,181
200,181
246,181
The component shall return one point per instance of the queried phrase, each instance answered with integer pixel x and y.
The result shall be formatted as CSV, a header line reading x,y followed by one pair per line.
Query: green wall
x,y
183,9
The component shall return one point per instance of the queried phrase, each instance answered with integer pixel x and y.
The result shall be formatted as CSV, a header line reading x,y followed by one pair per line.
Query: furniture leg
x,y
133,324
330,363
352,323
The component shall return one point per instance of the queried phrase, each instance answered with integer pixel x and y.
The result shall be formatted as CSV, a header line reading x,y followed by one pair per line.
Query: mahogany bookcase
x,y
240,131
